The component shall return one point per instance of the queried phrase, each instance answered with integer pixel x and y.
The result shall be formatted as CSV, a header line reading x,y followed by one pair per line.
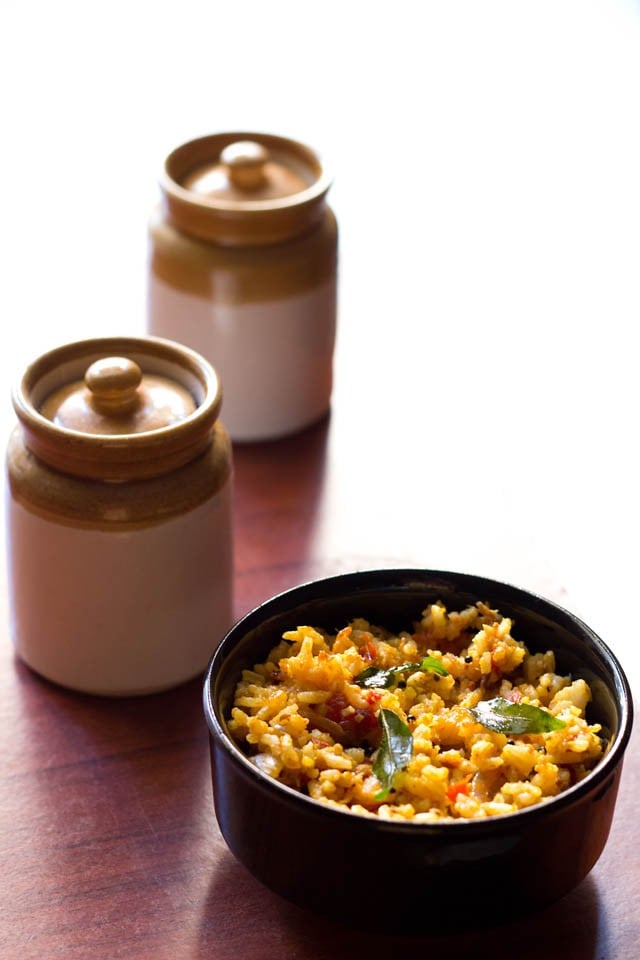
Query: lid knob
x,y
113,383
245,161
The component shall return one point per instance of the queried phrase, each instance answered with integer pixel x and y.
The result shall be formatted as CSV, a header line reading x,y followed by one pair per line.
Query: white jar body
x,y
275,358
264,316
120,612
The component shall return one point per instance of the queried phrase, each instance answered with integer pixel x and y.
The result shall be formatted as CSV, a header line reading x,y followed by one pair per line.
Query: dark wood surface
x,y
108,841
485,413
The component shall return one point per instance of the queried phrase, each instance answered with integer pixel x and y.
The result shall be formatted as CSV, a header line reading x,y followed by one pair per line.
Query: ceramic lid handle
x,y
245,161
113,382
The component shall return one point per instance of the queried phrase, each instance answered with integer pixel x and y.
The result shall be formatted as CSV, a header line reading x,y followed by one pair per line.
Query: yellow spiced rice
x,y
305,721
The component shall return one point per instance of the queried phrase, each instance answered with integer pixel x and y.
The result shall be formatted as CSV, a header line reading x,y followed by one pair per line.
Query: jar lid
x,y
244,188
116,397
118,408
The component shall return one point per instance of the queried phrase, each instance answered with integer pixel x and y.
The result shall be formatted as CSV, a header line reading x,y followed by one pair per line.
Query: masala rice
x,y
305,721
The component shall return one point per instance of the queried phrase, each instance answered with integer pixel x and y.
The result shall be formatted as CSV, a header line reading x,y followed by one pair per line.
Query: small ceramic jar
x,y
243,258
119,516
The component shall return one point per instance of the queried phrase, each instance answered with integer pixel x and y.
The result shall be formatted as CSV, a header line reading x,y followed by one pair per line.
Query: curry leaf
x,y
394,752
435,665
376,677
503,716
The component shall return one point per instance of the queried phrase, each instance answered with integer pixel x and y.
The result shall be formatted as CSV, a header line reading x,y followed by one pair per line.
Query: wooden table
x,y
485,413
108,841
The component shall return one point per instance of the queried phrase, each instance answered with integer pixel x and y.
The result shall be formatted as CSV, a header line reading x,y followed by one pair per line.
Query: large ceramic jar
x,y
119,516
243,255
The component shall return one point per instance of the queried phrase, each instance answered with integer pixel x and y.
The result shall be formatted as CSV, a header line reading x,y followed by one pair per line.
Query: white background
x,y
487,165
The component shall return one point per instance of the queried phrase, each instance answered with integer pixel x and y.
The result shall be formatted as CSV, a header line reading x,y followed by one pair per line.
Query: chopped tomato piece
x,y
336,705
455,789
368,651
357,723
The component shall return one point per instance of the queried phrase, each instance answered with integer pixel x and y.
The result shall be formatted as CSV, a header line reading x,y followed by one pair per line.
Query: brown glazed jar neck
x,y
118,456
102,505
242,221
239,275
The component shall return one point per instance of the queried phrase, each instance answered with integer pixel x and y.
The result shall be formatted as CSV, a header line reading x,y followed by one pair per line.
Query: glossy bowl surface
x,y
403,876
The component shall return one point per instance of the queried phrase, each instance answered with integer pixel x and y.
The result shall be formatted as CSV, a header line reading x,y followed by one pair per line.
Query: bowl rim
x,y
321,587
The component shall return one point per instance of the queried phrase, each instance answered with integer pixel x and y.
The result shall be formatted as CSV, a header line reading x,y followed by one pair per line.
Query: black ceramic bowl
x,y
402,875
